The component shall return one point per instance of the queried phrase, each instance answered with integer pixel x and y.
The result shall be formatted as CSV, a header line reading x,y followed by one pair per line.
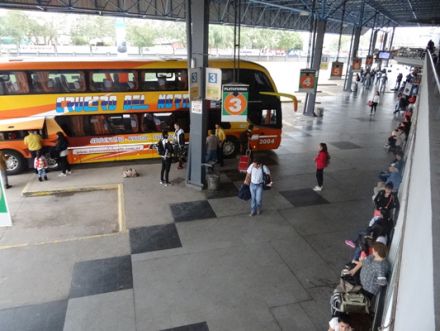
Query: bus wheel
x,y
230,147
16,163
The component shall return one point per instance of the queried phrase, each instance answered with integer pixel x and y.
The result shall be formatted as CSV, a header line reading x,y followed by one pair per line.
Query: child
x,y
40,165
322,160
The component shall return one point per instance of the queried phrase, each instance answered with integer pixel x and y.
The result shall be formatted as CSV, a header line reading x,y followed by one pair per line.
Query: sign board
x,y
369,60
213,84
336,71
5,216
357,63
323,66
194,83
235,102
307,80
196,106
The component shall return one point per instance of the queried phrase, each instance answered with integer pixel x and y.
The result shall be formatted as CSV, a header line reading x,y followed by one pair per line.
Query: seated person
x,y
162,84
397,163
395,178
340,323
385,201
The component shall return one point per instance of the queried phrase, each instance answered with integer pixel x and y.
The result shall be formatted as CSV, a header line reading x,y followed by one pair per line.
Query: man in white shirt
x,y
255,179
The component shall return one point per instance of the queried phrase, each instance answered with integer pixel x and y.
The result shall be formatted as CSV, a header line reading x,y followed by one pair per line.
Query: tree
x,y
141,35
289,40
16,26
220,36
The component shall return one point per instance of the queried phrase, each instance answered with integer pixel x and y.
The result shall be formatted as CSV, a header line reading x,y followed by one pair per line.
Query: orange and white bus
x,y
113,110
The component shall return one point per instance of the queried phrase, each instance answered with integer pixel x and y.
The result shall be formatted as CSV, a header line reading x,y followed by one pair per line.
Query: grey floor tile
x,y
190,211
293,318
303,197
344,145
101,276
224,190
48,316
193,327
234,175
154,238
112,311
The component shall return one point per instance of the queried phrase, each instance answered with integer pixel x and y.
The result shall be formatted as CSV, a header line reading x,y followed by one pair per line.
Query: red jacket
x,y
321,160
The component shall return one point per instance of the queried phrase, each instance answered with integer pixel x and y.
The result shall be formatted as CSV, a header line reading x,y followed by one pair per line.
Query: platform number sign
x,y
235,102
5,216
307,81
213,84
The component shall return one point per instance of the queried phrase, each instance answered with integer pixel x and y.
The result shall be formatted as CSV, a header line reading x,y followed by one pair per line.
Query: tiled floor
x,y
154,238
190,211
195,261
101,276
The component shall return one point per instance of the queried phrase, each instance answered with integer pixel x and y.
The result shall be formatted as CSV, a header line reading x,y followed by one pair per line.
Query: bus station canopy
x,y
280,14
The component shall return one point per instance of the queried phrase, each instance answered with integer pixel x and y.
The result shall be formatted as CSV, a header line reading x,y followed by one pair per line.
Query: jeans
x,y
320,177
42,173
256,197
166,165
64,164
211,155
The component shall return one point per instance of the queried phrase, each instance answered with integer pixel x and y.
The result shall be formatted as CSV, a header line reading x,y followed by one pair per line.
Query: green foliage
x,y
141,35
221,36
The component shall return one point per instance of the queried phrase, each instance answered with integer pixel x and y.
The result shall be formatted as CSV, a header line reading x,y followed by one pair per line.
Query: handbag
x,y
266,180
244,193
370,103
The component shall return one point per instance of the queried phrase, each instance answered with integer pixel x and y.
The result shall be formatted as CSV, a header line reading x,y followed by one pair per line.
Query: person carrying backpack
x,y
165,150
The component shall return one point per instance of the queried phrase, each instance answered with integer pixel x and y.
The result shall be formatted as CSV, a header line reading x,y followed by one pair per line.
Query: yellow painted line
x,y
121,209
69,190
59,241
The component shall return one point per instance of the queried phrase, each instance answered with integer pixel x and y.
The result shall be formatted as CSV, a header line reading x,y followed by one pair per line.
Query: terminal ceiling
x,y
279,14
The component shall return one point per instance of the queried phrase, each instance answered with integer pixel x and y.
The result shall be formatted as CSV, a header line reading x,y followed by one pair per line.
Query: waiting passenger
x,y
162,83
322,161
211,147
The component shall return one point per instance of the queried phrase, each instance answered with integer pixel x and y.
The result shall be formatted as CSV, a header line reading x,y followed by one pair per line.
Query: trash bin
x,y
319,111
212,181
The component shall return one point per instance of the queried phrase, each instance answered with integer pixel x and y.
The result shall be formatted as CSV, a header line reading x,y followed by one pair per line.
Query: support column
x,y
391,45
198,11
354,50
309,106
373,44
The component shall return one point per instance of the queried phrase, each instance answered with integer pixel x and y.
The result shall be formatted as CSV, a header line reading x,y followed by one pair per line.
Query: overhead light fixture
x,y
304,13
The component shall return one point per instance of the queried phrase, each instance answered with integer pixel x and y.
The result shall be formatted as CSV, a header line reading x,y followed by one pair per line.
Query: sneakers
x,y
350,243
40,179
162,182
386,146
258,212
8,186
62,175
45,177
252,214
317,188
68,172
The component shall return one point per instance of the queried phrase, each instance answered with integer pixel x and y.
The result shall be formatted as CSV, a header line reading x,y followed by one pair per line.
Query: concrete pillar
x,y
309,106
373,44
198,58
354,50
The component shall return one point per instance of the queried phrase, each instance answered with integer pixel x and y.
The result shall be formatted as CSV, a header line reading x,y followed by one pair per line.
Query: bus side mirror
x,y
286,95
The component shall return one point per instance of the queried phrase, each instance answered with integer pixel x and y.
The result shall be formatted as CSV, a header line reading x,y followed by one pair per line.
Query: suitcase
x,y
243,162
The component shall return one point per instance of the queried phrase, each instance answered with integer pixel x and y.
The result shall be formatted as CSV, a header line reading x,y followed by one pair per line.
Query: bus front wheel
x,y
231,147
15,163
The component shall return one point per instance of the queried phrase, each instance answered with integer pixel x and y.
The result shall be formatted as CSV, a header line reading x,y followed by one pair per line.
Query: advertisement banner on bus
x,y
5,216
307,80
235,103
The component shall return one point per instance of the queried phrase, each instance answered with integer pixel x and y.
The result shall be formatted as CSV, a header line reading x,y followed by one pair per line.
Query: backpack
x,y
266,180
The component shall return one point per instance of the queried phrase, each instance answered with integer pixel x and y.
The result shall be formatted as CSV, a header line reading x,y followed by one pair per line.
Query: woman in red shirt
x,y
321,160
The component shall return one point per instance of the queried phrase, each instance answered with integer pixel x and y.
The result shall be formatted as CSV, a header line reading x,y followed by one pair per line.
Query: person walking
x,y
255,179
40,165
398,81
374,103
165,150
3,168
211,147
220,134
179,138
61,148
321,160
